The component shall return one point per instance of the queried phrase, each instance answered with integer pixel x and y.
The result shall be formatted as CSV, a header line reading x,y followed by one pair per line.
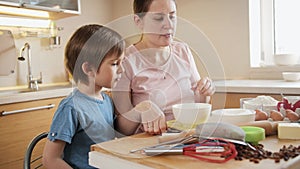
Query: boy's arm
x,y
52,155
130,118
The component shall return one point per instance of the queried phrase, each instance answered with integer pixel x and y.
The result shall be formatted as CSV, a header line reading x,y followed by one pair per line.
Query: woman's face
x,y
159,23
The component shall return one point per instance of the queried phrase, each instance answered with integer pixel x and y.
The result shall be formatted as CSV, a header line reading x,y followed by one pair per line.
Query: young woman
x,y
157,68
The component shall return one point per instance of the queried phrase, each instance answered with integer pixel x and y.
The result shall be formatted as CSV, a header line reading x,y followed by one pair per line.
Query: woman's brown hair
x,y
140,7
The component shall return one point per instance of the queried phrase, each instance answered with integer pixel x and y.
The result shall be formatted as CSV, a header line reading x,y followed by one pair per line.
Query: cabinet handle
x,y
50,106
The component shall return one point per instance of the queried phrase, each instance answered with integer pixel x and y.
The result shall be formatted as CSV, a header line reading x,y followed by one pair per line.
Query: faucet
x,y
32,82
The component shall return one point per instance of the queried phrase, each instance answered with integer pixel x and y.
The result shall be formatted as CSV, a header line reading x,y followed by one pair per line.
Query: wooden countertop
x,y
116,153
258,86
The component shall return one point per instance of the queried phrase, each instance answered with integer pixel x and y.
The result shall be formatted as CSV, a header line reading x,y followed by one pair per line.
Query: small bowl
x,y
191,113
291,76
233,116
252,106
264,107
265,103
269,108
286,59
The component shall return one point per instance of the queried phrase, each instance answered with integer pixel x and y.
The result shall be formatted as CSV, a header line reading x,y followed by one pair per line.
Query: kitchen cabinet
x,y
69,6
17,130
15,3
222,100
57,9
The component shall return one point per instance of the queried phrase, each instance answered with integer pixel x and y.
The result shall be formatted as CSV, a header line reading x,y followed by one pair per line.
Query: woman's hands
x,y
152,118
204,88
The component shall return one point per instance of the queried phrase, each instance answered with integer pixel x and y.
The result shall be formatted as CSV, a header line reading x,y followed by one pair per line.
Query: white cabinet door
x,y
72,6
10,2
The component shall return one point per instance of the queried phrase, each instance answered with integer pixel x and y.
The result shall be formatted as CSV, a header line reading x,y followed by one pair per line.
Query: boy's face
x,y
109,72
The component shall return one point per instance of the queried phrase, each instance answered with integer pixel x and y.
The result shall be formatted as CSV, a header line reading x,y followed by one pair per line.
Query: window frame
x,y
261,24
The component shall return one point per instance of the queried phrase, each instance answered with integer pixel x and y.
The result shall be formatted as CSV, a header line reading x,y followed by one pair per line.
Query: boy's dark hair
x,y
91,44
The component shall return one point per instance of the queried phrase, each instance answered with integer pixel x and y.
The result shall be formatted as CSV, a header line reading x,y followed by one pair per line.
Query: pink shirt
x,y
165,85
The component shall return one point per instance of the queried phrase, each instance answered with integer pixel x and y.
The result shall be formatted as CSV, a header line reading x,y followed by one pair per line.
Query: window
x,y
287,26
274,29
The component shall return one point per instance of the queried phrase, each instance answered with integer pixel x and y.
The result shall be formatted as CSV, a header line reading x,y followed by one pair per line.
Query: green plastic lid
x,y
253,134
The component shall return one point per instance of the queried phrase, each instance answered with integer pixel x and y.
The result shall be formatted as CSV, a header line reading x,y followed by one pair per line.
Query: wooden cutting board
x,y
119,150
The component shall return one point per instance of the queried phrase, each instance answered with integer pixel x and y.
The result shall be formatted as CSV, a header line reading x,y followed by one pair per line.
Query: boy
x,y
93,57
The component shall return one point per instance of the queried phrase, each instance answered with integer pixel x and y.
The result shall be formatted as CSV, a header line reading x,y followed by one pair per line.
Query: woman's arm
x,y
126,122
52,155
202,87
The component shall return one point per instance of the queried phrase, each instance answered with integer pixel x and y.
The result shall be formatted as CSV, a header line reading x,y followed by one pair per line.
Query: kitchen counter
x,y
20,93
258,86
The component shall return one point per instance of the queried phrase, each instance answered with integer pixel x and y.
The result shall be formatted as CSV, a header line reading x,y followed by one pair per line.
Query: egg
x,y
260,115
276,115
291,115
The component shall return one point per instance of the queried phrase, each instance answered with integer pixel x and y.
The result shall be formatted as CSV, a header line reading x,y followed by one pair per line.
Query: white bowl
x,y
266,108
262,102
269,108
191,113
291,76
252,106
232,116
286,59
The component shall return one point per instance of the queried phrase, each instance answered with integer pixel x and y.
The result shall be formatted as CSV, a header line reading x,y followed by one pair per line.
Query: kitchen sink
x,y
42,87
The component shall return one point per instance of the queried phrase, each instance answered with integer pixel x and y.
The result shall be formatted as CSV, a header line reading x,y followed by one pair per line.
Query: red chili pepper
x,y
228,153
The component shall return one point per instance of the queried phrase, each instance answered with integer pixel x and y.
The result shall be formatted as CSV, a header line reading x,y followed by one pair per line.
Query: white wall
x,y
51,61
224,22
